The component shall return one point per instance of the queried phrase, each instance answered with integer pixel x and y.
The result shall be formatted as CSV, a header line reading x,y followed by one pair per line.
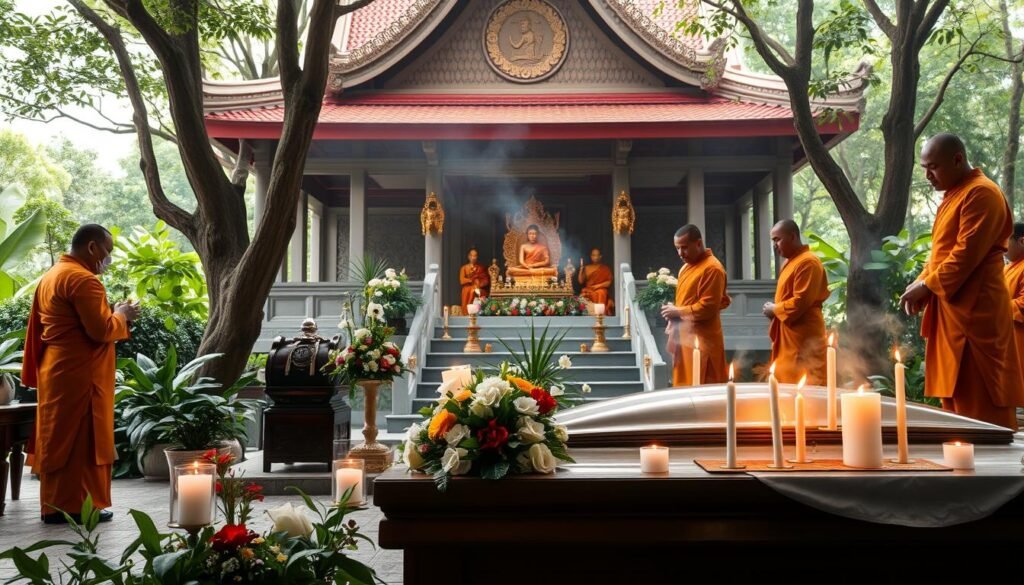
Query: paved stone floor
x,y
20,525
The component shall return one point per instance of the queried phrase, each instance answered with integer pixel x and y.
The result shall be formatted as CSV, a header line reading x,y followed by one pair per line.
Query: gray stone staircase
x,y
609,375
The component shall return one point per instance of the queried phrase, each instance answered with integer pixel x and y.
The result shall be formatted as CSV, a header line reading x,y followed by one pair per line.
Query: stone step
x,y
598,389
578,374
418,403
567,344
448,359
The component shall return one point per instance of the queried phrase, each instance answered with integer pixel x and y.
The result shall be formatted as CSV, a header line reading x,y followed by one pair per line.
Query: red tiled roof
x,y
372,19
438,116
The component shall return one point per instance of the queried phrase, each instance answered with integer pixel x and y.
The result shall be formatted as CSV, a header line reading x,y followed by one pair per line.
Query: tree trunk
x,y
1009,164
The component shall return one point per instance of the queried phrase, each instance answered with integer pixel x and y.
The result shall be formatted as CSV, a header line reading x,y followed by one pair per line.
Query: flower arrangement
x,y
533,307
392,293
660,289
498,423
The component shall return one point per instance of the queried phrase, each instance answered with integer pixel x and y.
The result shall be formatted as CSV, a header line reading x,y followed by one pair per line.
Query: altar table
x,y
602,521
16,424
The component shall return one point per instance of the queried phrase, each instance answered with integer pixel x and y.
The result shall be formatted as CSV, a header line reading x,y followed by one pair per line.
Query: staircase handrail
x,y
417,343
654,370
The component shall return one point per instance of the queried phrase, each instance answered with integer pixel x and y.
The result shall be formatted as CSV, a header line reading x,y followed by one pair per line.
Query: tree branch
x,y
775,55
931,16
162,206
881,19
940,95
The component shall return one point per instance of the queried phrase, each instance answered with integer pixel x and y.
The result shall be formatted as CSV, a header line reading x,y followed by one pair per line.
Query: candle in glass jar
x,y
599,308
348,477
773,404
195,499
862,429
801,424
654,459
696,361
901,410
958,455
830,380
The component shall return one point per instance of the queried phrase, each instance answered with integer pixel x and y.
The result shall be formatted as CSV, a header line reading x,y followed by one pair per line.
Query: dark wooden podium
x,y
17,422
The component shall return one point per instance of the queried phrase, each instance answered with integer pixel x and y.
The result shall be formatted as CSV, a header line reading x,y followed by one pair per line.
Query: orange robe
x,y
473,277
538,255
70,358
798,329
597,282
970,355
1014,275
700,296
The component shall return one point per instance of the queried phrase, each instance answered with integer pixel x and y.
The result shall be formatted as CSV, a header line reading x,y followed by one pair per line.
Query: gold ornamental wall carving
x,y
432,216
623,215
526,40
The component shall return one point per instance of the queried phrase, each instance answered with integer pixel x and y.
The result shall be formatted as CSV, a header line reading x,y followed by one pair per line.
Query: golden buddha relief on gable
x,y
526,40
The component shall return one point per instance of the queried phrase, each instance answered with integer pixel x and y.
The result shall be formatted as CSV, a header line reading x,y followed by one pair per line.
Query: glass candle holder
x,y
193,495
348,473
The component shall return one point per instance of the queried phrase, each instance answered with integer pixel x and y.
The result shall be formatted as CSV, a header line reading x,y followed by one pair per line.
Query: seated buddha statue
x,y
534,257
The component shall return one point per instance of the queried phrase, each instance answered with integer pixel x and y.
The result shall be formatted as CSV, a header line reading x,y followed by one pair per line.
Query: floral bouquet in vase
x,y
498,423
660,289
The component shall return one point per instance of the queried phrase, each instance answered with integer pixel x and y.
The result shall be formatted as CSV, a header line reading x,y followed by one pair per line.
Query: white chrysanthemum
x,y
561,433
374,282
564,362
652,275
664,271
394,283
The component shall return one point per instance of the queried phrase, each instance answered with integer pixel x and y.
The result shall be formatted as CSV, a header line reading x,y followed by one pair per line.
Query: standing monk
x,y
970,356
474,280
797,327
69,357
696,313
596,280
1014,275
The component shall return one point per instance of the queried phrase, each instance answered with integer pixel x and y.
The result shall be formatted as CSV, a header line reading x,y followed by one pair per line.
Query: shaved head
x,y
690,231
946,144
944,160
90,232
92,244
786,238
689,244
1015,247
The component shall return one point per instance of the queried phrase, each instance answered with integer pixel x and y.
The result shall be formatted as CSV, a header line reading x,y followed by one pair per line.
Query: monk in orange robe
x,y
596,279
1014,275
695,316
971,360
797,328
70,359
474,280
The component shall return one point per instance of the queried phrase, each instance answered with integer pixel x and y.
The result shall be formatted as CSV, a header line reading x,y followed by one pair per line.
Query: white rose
x,y
372,366
526,405
374,282
651,275
672,281
561,433
395,283
456,435
556,391
481,410
664,271
502,386
487,396
564,362
530,431
662,279
413,432
541,458
585,388
412,458
451,457
292,520
390,273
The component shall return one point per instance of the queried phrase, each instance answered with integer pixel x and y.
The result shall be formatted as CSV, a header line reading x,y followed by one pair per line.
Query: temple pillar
x,y
695,198
297,256
622,243
762,231
356,220
746,263
261,173
782,182
330,230
316,240
732,258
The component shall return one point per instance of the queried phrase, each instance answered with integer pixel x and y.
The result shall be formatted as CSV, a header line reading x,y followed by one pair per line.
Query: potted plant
x,y
10,365
171,416
389,289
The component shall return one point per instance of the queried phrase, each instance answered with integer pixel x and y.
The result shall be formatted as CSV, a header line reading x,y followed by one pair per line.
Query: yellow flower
x,y
281,557
462,395
246,553
522,384
275,549
259,540
441,424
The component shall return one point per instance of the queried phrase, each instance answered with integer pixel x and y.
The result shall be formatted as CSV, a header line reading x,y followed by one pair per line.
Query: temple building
x,y
502,106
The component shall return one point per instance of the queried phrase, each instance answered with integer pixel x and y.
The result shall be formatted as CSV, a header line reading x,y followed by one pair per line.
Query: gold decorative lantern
x,y
432,216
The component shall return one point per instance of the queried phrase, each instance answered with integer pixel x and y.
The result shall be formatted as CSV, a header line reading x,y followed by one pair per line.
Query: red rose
x,y
231,537
493,436
545,402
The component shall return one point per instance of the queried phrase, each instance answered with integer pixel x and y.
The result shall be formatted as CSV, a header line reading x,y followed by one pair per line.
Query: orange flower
x,y
441,424
524,385
462,395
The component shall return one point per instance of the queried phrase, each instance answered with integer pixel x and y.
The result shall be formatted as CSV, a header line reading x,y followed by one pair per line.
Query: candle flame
x,y
195,467
696,343
897,353
957,443
731,376
800,384
860,389
831,339
771,370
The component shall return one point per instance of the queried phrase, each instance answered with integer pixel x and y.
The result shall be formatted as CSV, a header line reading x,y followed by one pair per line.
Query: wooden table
x,y
602,521
16,424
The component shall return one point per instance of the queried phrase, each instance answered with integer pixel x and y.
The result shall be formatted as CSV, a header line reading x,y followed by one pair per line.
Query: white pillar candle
x,y
830,380
773,403
730,420
195,499
801,425
446,316
696,361
473,308
654,459
347,477
464,375
599,308
958,455
901,410
862,429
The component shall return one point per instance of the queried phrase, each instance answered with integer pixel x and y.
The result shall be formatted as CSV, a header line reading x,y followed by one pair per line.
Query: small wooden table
x,y
17,422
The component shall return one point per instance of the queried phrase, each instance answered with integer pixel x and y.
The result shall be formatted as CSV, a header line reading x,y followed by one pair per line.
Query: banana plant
x,y
18,239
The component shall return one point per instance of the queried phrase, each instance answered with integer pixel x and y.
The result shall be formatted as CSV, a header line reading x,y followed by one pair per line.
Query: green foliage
x,y
23,163
161,404
14,314
10,357
660,290
60,225
536,362
19,239
150,335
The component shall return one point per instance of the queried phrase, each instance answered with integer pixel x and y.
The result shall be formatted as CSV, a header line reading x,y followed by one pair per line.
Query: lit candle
x,y
862,429
958,455
350,477
654,459
901,410
464,375
696,361
773,403
801,425
473,308
195,498
599,308
730,420
830,366
446,316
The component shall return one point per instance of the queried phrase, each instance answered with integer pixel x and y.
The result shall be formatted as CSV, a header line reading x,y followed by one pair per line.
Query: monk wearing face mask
x,y
70,359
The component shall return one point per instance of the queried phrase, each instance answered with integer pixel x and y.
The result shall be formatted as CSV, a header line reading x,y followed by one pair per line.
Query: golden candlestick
x,y
472,338
446,334
599,344
625,325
